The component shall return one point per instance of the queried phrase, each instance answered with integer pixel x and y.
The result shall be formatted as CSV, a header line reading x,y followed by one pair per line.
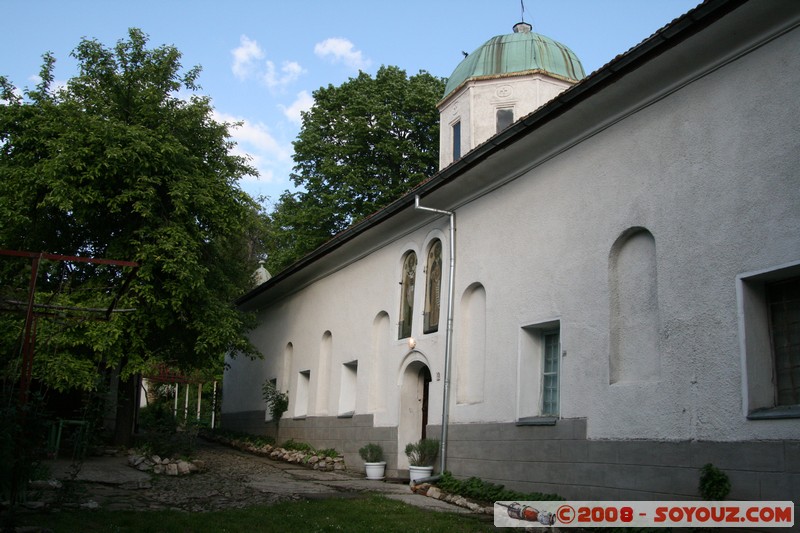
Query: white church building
x,y
596,295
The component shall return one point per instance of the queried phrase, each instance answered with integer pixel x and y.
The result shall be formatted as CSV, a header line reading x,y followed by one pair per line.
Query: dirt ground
x,y
228,479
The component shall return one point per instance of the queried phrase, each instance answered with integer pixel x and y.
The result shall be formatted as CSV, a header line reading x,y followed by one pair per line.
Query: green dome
x,y
516,53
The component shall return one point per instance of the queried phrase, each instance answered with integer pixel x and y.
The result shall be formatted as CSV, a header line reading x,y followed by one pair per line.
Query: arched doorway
x,y
414,392
425,378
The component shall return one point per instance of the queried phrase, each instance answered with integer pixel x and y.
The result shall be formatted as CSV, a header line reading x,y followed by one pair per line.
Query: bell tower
x,y
506,78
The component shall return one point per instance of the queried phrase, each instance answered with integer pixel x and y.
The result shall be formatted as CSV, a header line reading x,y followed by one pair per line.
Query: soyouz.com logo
x,y
644,514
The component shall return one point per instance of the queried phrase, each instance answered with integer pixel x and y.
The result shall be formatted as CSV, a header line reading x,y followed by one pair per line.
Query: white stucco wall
x,y
347,304
710,171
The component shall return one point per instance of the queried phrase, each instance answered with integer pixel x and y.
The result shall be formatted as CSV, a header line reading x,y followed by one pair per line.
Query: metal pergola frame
x,y
33,310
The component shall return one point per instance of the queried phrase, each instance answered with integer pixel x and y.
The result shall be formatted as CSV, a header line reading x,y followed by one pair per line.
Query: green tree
x,y
119,165
361,146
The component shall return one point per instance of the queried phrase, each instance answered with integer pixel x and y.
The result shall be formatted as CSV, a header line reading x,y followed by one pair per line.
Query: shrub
x,y
278,401
157,417
248,438
160,434
327,452
714,483
297,446
422,453
371,453
477,489
22,444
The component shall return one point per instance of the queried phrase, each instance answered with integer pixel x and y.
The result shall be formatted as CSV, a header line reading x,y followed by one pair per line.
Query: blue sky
x,y
262,60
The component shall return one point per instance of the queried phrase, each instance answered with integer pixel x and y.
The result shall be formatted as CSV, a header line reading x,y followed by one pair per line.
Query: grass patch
x,y
374,513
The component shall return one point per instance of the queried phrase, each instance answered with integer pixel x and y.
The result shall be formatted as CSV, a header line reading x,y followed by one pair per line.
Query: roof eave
x,y
485,77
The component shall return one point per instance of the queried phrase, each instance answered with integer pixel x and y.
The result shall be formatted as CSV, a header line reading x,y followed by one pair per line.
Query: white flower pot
x,y
375,470
419,472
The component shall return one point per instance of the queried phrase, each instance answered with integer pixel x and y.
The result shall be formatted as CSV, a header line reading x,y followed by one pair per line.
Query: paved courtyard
x,y
229,479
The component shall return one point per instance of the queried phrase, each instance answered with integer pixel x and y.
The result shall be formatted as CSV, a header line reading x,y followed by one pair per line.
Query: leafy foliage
x,y
423,452
362,145
477,489
22,445
371,453
230,435
292,444
250,442
278,401
714,483
118,165
328,452
161,434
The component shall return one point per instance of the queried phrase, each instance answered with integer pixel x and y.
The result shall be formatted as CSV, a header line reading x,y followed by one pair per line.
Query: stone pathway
x,y
229,479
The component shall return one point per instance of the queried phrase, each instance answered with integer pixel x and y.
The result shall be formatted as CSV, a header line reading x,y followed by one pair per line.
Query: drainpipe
x,y
448,340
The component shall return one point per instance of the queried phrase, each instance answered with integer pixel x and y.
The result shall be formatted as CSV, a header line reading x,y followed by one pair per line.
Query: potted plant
x,y
421,456
372,454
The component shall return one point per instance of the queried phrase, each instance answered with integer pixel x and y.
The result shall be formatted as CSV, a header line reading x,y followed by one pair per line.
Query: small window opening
x,y
457,141
505,117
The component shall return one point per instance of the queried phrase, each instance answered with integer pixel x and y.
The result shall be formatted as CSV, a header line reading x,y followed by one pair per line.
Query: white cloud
x,y
247,63
341,51
245,57
35,79
290,71
254,141
303,102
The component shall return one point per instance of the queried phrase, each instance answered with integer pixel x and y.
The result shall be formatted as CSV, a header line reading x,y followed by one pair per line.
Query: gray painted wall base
x,y
559,459
346,435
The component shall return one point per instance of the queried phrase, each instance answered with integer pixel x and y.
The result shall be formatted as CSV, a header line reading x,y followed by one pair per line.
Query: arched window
x,y
377,383
433,287
457,141
323,372
407,295
471,354
286,372
633,268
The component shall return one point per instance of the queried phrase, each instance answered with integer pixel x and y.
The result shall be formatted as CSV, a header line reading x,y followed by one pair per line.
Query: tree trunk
x,y
126,411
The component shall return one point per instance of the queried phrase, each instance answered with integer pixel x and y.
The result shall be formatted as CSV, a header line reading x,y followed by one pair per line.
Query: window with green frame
x,y
550,368
538,378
